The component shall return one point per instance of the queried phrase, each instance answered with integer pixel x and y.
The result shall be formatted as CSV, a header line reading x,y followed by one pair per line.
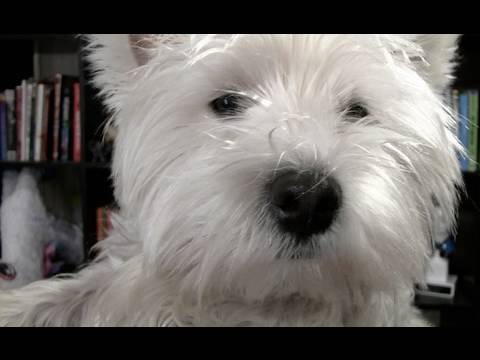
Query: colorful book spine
x,y
41,121
463,127
56,116
76,124
65,127
11,125
473,130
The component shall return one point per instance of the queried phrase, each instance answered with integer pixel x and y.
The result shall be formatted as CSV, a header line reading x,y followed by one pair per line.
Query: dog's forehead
x,y
274,60
297,44
297,54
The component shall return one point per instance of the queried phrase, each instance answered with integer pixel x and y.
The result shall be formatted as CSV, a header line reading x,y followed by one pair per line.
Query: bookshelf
x,y
464,309
40,56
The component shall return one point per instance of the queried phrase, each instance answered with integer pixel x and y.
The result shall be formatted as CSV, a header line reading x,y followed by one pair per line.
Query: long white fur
x,y
193,243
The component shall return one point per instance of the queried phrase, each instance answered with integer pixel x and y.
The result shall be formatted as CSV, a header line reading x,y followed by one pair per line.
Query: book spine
x,y
18,112
56,116
3,128
33,116
24,119
45,124
51,116
40,97
65,130
28,120
11,125
473,130
76,126
463,130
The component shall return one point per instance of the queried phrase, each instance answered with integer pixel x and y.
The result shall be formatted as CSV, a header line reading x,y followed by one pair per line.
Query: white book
x,y
38,121
23,126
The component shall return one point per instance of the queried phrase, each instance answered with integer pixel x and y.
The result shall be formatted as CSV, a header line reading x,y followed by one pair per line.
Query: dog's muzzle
x,y
304,203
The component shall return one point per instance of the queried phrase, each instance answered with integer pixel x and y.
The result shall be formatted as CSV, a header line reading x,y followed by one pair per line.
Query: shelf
x,y
52,164
97,165
36,36
471,173
463,299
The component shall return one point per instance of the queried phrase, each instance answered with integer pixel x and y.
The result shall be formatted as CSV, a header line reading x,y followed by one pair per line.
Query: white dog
x,y
264,180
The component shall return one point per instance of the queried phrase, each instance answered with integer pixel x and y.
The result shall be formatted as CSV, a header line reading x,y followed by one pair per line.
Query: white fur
x,y
193,243
24,220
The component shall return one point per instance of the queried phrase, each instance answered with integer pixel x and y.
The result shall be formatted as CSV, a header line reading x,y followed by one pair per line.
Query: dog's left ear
x,y
437,63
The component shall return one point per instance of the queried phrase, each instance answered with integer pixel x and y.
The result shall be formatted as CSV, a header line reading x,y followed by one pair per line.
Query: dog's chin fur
x,y
194,242
113,292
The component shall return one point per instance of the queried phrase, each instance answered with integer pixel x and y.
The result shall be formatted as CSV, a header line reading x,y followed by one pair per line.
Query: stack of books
x,y
40,121
104,223
464,104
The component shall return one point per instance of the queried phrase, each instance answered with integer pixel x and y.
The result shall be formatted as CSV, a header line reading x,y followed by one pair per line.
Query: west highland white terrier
x,y
264,180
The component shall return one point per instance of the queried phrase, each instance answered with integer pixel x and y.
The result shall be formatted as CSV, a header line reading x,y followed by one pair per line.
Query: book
x,y
57,81
76,124
33,113
473,130
11,125
42,120
3,127
23,121
18,113
45,122
37,128
463,127
65,124
50,123
61,128
28,120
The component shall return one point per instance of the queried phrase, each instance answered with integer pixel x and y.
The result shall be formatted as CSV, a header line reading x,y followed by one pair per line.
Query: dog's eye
x,y
229,104
356,111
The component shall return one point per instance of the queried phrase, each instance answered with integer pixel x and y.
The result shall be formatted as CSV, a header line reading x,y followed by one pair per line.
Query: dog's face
x,y
268,165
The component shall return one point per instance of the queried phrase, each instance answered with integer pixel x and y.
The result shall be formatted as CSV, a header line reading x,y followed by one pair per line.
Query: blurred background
x,y
56,193
57,196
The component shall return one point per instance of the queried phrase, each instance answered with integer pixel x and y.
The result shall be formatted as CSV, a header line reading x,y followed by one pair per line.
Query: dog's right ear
x,y
113,57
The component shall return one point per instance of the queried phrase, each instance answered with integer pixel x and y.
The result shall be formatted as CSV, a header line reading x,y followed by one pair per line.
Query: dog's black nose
x,y
304,204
